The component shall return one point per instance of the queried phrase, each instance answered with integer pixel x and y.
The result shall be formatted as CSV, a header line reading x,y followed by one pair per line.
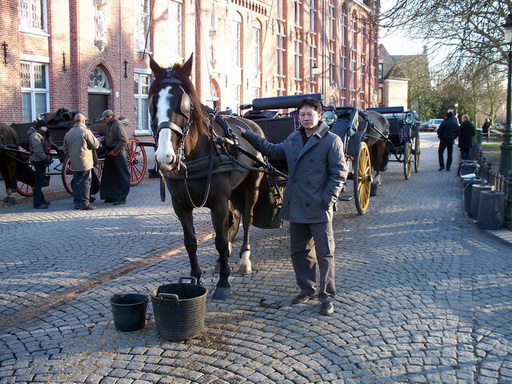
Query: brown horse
x,y
376,138
198,169
8,161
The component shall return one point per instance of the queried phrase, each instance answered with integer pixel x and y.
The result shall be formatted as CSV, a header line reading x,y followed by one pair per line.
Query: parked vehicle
x,y
423,126
434,124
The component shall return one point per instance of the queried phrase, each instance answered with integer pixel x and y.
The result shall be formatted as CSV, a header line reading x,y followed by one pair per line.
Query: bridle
x,y
185,110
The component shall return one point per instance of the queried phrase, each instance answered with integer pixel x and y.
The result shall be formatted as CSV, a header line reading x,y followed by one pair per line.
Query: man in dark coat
x,y
115,179
317,171
447,133
466,134
40,159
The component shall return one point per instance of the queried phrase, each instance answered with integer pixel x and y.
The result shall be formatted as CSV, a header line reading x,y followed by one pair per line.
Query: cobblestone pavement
x,y
423,295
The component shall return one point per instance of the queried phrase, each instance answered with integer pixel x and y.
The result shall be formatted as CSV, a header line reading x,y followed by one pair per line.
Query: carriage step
x,y
345,197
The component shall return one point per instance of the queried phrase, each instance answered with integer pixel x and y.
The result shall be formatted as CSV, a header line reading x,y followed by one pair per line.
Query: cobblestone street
x,y
424,296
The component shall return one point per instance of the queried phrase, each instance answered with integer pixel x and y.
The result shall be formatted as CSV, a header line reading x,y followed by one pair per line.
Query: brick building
x,y
88,55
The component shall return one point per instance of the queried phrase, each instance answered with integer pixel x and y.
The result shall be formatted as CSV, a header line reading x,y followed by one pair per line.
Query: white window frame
x,y
297,60
237,43
280,54
256,47
312,16
175,20
33,16
141,25
33,91
141,101
312,63
332,21
297,11
280,9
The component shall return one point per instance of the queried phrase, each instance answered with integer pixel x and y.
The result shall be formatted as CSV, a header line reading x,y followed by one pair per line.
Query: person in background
x,y
447,133
317,172
485,128
40,159
467,132
79,142
115,179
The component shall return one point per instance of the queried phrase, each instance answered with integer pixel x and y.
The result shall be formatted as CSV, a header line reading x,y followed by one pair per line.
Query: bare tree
x,y
468,30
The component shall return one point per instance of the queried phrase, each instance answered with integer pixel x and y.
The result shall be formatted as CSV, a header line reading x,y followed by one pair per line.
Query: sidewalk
x,y
424,296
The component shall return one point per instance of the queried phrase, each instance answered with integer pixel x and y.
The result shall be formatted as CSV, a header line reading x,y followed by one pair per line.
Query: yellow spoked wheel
x,y
362,179
407,160
416,153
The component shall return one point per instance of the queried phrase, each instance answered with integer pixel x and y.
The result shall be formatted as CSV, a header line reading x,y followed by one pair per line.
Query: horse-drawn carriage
x,y
59,123
361,134
403,144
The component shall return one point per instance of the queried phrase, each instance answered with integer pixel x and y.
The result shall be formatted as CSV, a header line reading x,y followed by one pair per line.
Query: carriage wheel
x,y
362,178
67,174
137,161
407,160
24,189
416,152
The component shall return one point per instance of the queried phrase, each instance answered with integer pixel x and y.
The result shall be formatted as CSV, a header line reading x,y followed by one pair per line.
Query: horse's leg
x,y
220,221
189,238
9,174
251,194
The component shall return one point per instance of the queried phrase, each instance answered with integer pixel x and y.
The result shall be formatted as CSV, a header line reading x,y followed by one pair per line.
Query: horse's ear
x,y
187,67
155,67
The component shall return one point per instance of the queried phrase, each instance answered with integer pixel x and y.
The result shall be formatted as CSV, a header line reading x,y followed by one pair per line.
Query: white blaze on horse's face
x,y
165,154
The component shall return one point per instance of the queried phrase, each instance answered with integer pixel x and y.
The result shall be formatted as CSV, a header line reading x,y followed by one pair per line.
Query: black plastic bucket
x,y
179,309
129,311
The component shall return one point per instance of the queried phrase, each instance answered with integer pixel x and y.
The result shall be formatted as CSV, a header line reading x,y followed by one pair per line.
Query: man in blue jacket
x,y
316,173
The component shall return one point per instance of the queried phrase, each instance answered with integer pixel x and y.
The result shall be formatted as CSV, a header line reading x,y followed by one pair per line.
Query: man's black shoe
x,y
326,308
301,299
120,202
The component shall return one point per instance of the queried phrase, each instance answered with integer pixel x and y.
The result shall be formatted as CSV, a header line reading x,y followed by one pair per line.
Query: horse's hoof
x,y
221,293
245,269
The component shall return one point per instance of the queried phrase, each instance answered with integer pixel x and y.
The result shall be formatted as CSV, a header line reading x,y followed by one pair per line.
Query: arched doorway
x,y
98,93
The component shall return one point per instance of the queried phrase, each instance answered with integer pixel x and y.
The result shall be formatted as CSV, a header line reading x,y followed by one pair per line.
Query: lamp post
x,y
506,146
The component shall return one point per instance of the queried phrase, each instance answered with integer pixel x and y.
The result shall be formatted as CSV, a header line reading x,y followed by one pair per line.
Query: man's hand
x,y
113,153
241,129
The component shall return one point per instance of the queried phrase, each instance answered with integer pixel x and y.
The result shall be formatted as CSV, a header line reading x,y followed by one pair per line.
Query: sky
x,y
397,43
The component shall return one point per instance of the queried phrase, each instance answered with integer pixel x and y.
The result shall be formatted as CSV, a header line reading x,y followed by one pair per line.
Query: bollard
x,y
490,212
475,198
479,138
467,190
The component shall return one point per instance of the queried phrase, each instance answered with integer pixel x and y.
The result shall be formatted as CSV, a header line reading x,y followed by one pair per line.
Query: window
x,y
175,30
256,66
332,68
32,15
141,25
141,89
256,44
344,27
332,21
312,63
381,72
297,12
280,9
35,95
297,59
237,47
312,16
280,55
343,68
